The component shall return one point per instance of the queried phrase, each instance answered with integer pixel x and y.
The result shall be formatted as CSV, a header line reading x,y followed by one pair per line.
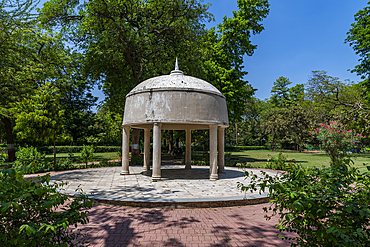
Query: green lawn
x,y
97,156
256,158
259,157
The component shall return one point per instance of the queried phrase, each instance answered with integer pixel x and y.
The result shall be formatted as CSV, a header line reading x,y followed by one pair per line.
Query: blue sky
x,y
300,36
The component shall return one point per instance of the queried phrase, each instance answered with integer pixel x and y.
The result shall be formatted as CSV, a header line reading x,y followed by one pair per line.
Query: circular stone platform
x,y
179,188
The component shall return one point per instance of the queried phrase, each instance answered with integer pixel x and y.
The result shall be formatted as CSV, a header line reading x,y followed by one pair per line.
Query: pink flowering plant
x,y
337,140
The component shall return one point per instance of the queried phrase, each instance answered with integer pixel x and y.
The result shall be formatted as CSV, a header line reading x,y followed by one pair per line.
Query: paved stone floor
x,y
227,226
124,226
177,184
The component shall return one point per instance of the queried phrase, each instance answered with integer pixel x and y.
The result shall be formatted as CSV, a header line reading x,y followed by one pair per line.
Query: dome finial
x,y
177,71
176,65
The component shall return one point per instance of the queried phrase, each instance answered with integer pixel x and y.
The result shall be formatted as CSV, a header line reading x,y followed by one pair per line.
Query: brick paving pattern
x,y
235,226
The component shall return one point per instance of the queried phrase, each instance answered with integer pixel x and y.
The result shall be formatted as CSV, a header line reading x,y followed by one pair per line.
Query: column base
x,y
187,167
213,177
156,178
124,173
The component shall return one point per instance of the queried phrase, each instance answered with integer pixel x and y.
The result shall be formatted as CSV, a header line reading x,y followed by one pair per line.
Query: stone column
x,y
146,150
188,149
156,175
213,152
221,149
125,150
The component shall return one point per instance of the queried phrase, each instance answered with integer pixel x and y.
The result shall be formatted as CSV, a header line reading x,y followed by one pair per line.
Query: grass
x,y
254,158
97,156
258,158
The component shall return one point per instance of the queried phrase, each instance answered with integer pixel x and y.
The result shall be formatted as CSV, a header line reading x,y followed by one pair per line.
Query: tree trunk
x,y
55,153
74,138
170,143
9,138
177,142
135,148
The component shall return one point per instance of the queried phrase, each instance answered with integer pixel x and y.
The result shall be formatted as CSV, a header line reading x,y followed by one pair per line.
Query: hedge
x,y
236,148
77,149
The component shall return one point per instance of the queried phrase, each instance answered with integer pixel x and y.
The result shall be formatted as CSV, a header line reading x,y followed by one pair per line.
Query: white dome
x,y
177,101
175,82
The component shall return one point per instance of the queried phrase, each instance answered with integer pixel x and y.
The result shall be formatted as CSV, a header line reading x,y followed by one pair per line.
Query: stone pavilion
x,y
175,102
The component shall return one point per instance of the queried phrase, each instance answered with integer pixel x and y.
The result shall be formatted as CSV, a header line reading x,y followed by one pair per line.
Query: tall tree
x,y
280,92
358,38
24,59
40,116
225,48
76,98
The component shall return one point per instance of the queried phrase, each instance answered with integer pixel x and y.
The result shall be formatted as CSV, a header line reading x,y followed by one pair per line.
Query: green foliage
x,y
3,158
358,40
236,148
325,207
87,154
337,140
34,213
282,96
29,160
280,163
225,48
200,162
280,91
66,163
136,160
77,149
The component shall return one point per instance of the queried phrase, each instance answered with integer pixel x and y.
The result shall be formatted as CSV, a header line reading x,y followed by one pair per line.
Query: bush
x,y
30,160
78,149
34,213
87,154
325,207
3,158
136,160
237,148
280,163
337,140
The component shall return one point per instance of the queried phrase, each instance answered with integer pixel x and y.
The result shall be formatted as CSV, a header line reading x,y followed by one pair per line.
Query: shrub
x,y
337,140
78,149
237,148
34,213
30,159
325,207
200,162
3,158
65,164
279,163
87,154
136,160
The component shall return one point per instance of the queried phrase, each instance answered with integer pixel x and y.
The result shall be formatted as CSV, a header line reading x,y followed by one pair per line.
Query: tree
x,y
76,98
358,39
280,92
18,67
225,48
29,56
126,42
41,116
330,91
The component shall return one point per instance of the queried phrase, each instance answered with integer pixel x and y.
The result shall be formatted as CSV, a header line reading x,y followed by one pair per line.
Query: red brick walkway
x,y
236,226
